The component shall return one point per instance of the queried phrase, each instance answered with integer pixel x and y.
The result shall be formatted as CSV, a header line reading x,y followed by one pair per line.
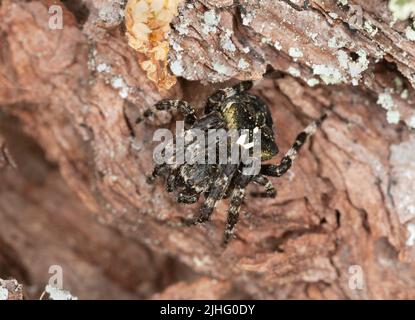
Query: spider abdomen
x,y
247,111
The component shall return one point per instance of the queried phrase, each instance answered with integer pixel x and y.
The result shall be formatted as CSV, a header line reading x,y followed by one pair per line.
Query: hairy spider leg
x,y
215,100
188,198
211,121
270,191
166,105
288,159
159,170
171,181
238,194
218,189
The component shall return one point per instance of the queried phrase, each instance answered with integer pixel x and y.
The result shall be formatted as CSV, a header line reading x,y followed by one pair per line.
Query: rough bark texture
x,y
75,93
10,290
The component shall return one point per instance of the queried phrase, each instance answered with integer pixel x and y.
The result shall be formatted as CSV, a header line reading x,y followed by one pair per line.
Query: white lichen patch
x,y
182,26
342,2
176,47
402,9
119,84
247,18
393,116
111,13
313,82
277,45
379,55
385,100
176,67
343,59
405,94
266,40
59,294
211,18
411,122
103,67
312,35
211,21
370,28
226,42
294,72
243,64
335,43
354,68
410,241
4,294
295,53
201,262
333,15
410,33
398,83
329,74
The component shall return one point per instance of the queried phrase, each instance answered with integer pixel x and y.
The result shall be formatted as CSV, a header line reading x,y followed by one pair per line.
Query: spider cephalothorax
x,y
230,108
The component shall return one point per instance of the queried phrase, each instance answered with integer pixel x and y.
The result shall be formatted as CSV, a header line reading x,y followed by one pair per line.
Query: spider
x,y
227,108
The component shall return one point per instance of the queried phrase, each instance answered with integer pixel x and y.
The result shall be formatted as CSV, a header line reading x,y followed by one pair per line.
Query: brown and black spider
x,y
230,108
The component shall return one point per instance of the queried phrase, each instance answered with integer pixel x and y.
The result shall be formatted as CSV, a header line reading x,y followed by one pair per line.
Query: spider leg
x,y
286,162
159,170
174,180
166,105
217,192
171,182
270,191
215,100
237,197
187,198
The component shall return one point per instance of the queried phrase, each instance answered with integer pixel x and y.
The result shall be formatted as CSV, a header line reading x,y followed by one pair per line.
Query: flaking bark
x,y
348,201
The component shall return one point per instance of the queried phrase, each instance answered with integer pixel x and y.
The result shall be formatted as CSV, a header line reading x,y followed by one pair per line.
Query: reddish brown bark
x,y
76,92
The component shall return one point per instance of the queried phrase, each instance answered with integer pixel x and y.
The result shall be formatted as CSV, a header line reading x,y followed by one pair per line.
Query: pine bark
x,y
78,194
